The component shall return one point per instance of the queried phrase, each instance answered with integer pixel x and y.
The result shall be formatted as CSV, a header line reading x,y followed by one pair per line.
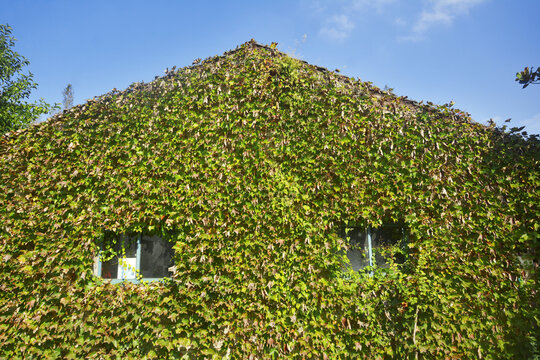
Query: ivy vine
x,y
251,163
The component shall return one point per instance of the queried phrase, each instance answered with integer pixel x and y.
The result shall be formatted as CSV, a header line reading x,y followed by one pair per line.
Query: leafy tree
x,y
68,97
15,87
527,76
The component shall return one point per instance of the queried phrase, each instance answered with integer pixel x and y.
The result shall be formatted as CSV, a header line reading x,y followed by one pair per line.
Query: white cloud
x,y
338,27
368,4
440,12
342,16
346,13
400,22
294,52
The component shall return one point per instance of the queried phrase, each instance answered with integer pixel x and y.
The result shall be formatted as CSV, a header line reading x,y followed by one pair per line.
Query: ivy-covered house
x,y
254,206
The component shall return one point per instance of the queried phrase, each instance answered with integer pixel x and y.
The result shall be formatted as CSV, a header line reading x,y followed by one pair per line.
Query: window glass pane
x,y
382,240
109,269
127,268
129,246
156,257
358,247
383,244
125,249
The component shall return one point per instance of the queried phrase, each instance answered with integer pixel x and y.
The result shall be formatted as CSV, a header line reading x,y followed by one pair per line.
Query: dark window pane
x,y
382,240
358,247
109,269
156,257
128,247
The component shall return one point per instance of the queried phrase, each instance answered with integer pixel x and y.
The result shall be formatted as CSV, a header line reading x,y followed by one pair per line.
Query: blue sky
x,y
466,51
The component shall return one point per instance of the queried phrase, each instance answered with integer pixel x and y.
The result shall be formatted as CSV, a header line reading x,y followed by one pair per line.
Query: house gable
x,y
250,163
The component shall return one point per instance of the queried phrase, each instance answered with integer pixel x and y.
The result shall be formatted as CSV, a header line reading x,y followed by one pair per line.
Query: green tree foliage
x,y
252,163
15,87
527,77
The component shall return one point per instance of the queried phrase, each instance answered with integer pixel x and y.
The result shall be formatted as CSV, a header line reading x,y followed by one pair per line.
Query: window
x,y
134,257
371,247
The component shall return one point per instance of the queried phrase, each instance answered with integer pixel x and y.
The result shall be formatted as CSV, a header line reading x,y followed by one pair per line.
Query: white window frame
x,y
138,277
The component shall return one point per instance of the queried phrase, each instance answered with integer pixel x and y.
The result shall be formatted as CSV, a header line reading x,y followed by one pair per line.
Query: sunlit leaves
x,y
250,163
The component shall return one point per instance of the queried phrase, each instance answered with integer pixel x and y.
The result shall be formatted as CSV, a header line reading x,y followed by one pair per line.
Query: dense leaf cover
x,y
251,163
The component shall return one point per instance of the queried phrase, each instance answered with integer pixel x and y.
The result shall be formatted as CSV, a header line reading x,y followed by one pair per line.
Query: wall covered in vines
x,y
252,163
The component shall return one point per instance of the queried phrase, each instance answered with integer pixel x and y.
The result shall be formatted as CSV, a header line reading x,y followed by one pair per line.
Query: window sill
x,y
136,281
